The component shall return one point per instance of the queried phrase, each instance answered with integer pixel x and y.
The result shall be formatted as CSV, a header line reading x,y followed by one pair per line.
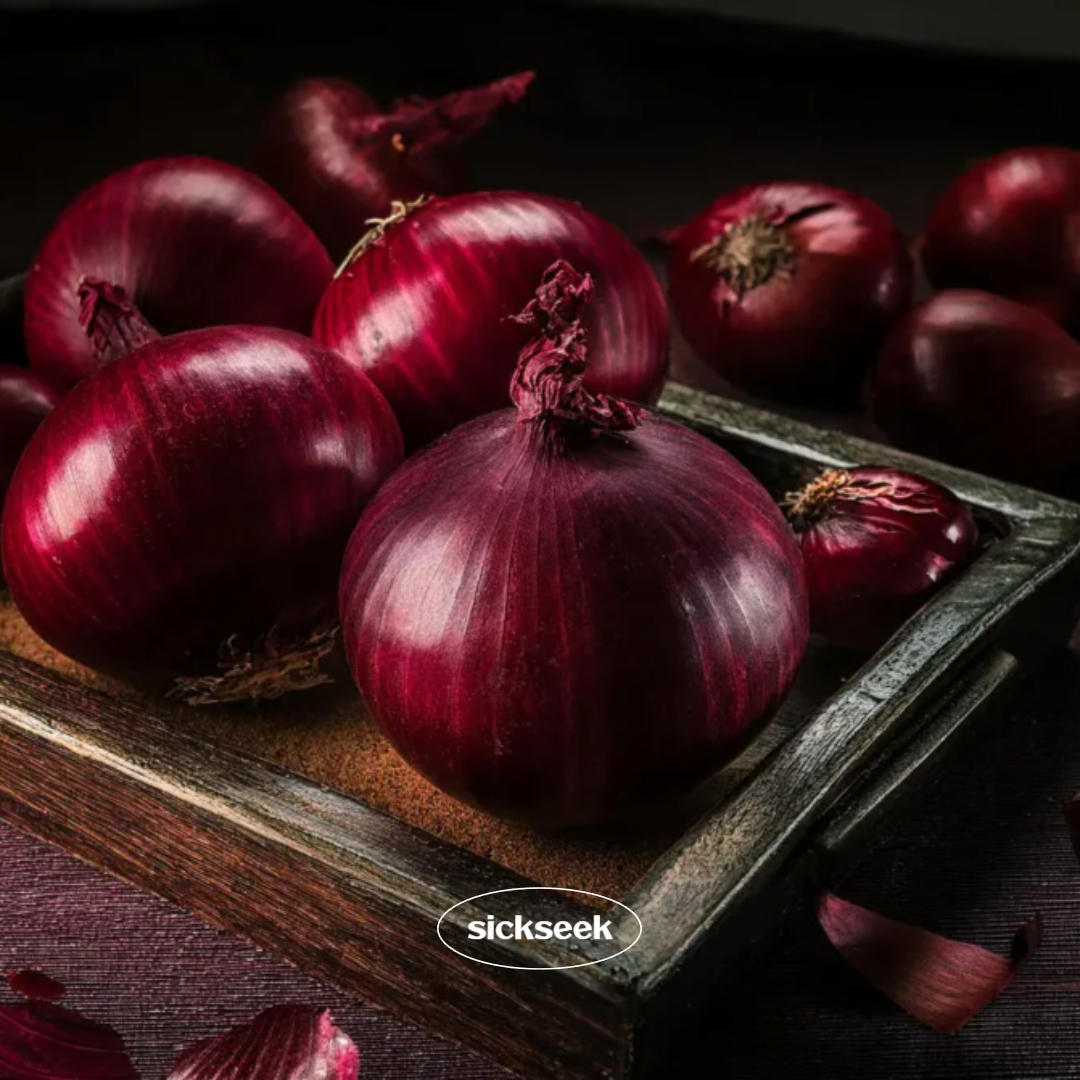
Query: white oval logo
x,y
585,927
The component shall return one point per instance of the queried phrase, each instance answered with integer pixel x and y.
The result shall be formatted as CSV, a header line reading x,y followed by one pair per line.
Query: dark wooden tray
x,y
354,895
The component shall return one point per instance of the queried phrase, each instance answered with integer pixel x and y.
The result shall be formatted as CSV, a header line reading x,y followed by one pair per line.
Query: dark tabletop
x,y
644,119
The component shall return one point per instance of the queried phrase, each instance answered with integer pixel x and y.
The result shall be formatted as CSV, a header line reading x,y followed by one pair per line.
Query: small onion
x,y
169,245
340,160
982,382
425,303
789,289
196,497
567,610
1011,225
25,400
877,543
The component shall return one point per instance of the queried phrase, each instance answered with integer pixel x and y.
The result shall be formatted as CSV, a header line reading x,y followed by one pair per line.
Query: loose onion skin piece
x,y
1011,225
789,289
940,982
40,1040
982,382
25,400
340,160
286,1042
567,611
425,306
198,492
168,245
877,543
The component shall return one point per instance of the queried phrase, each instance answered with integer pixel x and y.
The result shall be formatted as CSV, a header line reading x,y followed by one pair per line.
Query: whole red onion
x,y
982,382
192,501
425,304
25,400
168,245
877,543
789,289
330,150
1011,225
568,609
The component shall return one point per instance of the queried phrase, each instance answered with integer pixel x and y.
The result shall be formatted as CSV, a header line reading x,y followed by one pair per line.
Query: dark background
x,y
643,117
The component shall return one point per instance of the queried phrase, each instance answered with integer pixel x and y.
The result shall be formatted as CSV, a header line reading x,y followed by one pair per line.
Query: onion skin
x,y
340,160
203,487
1011,225
564,618
877,543
789,289
285,1042
425,309
25,400
189,242
985,383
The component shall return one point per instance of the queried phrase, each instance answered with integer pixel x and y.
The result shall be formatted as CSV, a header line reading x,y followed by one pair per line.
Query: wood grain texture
x,y
354,895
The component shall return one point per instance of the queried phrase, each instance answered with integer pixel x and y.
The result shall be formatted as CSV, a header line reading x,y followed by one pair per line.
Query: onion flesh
x,y
569,610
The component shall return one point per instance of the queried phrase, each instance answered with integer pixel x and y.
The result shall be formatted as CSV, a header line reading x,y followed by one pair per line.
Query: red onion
x,y
169,245
1011,225
25,400
789,289
877,543
340,160
565,610
985,383
424,304
190,499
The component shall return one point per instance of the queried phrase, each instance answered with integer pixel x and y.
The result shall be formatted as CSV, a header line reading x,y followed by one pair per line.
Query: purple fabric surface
x,y
164,979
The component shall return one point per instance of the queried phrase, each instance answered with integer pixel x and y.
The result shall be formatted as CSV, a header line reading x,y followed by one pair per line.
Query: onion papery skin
x,y
198,491
41,1041
25,400
982,382
427,309
1011,225
340,160
828,276
877,543
190,241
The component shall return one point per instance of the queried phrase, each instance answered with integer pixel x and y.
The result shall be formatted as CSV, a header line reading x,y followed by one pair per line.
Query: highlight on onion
x,y
340,160
168,245
424,304
25,400
40,1040
285,1042
189,505
1009,225
877,543
568,610
789,289
940,982
982,382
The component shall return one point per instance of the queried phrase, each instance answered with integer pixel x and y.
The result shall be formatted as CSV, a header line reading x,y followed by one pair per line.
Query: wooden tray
x,y
354,895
